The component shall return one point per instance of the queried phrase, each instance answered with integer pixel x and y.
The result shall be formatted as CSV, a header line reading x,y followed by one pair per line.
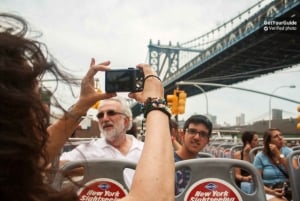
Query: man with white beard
x,y
114,119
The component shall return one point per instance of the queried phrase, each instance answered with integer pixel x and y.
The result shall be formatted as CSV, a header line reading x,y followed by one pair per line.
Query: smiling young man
x,y
197,131
114,119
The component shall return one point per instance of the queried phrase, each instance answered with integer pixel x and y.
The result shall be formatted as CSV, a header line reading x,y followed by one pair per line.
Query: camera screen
x,y
122,80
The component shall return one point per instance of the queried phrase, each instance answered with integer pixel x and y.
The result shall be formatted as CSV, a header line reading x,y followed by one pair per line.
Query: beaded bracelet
x,y
155,104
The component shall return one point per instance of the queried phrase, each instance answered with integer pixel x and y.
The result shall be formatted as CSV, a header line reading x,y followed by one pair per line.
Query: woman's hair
x,y
247,137
24,117
267,140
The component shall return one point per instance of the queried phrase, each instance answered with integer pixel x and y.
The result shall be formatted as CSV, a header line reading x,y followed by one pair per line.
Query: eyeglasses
x,y
110,113
194,131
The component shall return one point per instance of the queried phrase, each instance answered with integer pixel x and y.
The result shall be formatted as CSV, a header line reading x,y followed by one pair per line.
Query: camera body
x,y
285,187
124,80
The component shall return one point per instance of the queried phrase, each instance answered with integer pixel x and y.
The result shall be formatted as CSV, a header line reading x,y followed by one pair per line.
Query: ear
x,y
126,121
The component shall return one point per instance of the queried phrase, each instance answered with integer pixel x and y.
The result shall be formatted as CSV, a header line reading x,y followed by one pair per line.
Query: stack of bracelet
x,y
156,104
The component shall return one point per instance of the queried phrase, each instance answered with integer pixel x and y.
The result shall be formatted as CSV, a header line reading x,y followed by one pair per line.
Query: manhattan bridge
x,y
263,39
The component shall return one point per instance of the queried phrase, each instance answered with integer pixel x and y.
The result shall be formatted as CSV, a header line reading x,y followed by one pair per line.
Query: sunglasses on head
x,y
110,113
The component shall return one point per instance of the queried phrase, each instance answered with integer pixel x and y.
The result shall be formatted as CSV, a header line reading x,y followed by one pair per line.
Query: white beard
x,y
114,133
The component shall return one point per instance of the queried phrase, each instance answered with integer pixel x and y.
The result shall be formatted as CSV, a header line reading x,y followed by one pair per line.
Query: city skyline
x,y
237,101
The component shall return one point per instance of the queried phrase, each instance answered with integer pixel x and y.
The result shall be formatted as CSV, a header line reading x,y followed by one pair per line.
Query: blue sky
x,y
119,31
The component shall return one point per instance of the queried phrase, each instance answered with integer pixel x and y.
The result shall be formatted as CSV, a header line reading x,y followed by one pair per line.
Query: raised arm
x,y
154,177
237,171
62,129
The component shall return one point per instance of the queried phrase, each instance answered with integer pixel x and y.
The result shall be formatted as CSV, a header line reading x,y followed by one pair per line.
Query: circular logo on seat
x,y
102,189
212,189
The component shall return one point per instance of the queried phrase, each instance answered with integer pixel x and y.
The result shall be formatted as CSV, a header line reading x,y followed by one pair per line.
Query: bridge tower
x,y
164,59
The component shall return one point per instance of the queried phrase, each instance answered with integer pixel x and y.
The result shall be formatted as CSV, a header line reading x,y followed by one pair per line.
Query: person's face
x,y
254,142
195,138
112,121
277,139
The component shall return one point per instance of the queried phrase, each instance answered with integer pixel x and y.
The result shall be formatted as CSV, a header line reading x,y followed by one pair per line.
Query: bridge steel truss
x,y
244,53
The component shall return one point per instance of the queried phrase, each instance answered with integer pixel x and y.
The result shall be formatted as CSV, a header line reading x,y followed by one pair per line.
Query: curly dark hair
x,y
24,117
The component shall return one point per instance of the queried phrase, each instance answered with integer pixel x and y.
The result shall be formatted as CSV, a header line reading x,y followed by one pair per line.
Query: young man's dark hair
x,y
198,119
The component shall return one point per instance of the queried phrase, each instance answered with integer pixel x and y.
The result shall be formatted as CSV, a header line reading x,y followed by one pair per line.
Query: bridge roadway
x,y
247,52
257,53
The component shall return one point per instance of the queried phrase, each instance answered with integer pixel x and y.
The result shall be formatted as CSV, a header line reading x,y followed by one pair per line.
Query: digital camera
x,y
124,80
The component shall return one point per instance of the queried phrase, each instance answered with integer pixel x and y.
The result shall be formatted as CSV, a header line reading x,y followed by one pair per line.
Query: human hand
x,y
173,138
88,94
152,85
273,148
278,192
247,178
247,148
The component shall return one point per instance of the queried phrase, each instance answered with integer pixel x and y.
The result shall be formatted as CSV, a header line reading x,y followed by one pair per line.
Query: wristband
x,y
148,76
155,104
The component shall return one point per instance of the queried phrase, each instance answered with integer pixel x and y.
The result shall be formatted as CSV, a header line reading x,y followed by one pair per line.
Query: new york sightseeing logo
x,y
212,189
103,189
